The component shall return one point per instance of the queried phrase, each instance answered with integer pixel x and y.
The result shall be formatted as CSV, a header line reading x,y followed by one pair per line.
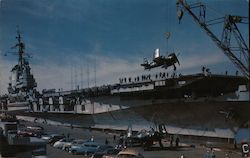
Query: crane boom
x,y
229,27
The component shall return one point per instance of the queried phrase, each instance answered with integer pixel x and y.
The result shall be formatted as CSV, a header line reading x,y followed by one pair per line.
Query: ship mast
x,y
21,48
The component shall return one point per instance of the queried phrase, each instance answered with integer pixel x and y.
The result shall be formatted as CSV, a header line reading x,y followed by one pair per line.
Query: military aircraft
x,y
162,61
146,138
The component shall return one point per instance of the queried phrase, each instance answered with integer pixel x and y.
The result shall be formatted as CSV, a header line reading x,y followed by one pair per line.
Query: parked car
x,y
46,137
25,133
30,131
67,146
129,153
62,142
37,130
54,138
86,148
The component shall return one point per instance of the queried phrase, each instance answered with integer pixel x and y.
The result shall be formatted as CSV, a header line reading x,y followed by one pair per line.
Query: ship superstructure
x,y
22,81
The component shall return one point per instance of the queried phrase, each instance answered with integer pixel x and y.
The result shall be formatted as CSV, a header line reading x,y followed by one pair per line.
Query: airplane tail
x,y
129,131
157,53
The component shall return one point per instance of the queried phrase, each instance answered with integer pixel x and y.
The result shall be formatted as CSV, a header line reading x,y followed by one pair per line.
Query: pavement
x,y
186,149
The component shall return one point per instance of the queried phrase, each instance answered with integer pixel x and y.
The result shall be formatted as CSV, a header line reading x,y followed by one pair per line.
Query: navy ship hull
x,y
186,114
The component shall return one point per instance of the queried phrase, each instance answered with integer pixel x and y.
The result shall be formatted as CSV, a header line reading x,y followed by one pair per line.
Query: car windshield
x,y
90,145
62,140
78,141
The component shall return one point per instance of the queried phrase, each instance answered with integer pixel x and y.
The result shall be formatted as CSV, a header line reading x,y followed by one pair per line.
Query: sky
x,y
108,38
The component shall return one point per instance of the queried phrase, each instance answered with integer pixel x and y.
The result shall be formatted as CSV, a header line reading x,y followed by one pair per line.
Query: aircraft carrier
x,y
203,102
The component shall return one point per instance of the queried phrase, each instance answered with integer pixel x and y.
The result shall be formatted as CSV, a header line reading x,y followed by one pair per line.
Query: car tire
x,y
66,149
73,152
85,153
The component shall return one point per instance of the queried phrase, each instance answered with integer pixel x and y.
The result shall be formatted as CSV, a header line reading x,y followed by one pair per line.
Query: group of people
x,y
206,71
177,140
149,77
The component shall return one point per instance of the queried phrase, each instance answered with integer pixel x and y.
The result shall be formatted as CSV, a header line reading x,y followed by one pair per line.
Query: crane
x,y
230,29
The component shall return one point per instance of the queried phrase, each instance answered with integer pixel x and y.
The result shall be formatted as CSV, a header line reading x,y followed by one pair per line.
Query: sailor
x,y
160,143
114,138
121,140
212,153
125,144
92,139
171,140
208,71
235,144
129,79
237,73
1,131
203,69
207,154
106,141
5,102
177,140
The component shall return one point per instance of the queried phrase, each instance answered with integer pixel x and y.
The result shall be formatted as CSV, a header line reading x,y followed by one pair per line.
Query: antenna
x,y
95,70
71,76
169,25
167,34
88,72
81,77
75,71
